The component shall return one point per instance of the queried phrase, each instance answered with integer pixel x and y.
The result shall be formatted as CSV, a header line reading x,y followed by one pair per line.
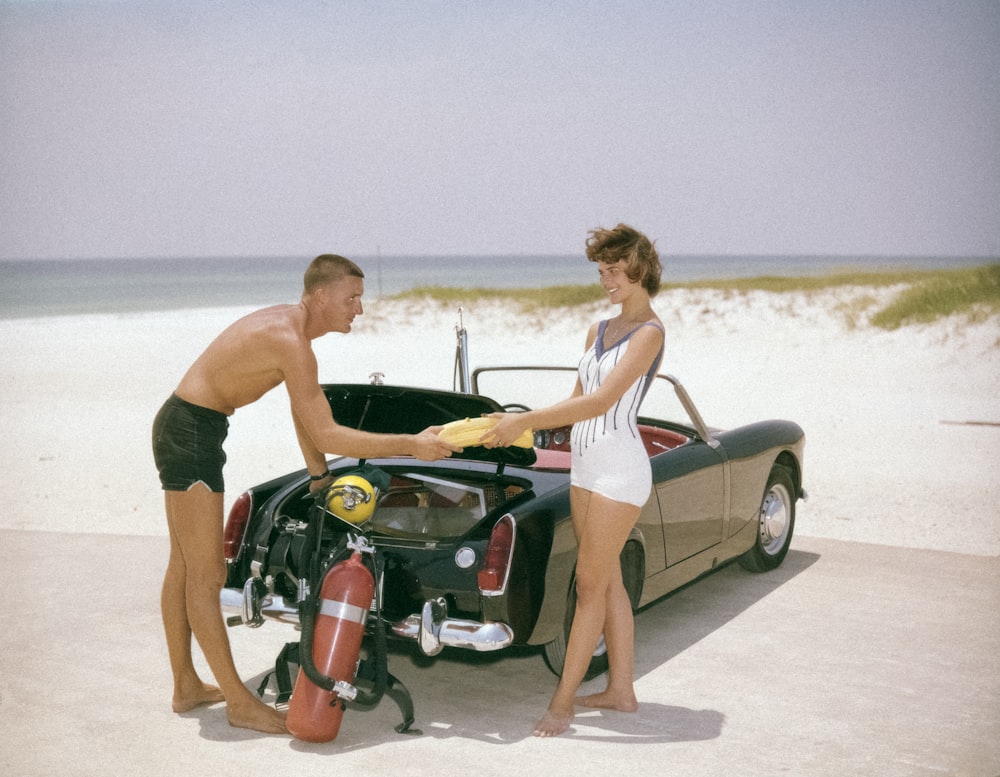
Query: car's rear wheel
x,y
775,523
633,573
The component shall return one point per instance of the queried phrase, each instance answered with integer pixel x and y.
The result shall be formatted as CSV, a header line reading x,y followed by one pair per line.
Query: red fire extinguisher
x,y
314,714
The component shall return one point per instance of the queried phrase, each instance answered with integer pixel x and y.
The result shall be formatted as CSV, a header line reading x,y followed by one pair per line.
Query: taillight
x,y
236,525
496,565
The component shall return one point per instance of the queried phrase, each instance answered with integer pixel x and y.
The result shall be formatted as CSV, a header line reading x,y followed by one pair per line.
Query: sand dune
x,y
891,455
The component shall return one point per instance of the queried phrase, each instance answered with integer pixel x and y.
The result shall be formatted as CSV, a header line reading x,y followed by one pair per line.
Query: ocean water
x,y
47,287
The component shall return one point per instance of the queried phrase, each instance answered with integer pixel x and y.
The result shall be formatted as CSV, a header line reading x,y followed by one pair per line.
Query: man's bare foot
x,y
256,716
552,724
622,702
186,700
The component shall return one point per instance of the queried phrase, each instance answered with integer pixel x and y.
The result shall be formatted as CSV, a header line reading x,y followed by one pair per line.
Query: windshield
x,y
533,387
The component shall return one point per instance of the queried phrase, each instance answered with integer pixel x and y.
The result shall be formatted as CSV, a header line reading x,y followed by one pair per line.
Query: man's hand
x,y
429,447
319,485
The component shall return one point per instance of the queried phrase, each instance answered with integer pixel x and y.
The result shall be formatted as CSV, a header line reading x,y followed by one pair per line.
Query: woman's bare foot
x,y
552,724
187,699
256,716
622,702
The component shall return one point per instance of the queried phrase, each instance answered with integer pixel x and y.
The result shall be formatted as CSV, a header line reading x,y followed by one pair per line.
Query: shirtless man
x,y
248,359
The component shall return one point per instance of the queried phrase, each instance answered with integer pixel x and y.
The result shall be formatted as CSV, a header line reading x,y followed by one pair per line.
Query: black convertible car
x,y
478,550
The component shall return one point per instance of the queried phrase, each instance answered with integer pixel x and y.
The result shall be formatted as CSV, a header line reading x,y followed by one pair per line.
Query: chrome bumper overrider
x,y
434,630
253,605
431,627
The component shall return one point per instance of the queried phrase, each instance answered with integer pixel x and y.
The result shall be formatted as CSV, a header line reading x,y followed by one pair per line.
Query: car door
x,y
690,487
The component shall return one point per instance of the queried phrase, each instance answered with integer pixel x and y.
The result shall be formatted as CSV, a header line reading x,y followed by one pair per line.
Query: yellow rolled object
x,y
469,431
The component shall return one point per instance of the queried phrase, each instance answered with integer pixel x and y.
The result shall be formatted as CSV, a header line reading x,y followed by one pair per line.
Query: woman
x,y
610,479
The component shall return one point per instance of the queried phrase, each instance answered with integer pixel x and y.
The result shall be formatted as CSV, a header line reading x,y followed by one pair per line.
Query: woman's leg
x,y
619,634
601,526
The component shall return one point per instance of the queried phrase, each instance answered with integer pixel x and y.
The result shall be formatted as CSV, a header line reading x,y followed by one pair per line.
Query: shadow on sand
x,y
449,689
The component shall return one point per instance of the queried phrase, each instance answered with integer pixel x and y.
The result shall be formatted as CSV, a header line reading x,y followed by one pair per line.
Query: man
x,y
248,359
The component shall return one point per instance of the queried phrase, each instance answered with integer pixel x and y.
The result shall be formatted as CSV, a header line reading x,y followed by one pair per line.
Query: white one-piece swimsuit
x,y
609,457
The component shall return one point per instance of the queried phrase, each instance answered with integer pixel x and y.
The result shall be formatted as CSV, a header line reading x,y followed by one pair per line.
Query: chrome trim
x,y
510,557
431,628
465,557
462,376
682,395
434,631
692,411
268,607
250,612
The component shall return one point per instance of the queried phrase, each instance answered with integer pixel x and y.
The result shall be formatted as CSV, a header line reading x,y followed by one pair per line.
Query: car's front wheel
x,y
633,573
775,523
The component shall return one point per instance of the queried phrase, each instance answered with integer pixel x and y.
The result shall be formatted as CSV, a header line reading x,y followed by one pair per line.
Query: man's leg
x,y
195,577
189,689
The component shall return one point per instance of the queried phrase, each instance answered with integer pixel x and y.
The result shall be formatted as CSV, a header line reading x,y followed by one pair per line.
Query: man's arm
x,y
315,460
315,423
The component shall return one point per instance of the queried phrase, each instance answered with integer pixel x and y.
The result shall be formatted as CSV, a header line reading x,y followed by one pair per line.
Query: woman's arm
x,y
643,348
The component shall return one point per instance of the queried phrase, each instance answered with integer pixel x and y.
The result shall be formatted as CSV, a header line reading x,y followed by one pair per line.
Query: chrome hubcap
x,y
774,512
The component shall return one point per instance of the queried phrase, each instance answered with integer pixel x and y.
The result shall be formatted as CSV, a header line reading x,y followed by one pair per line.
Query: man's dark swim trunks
x,y
187,445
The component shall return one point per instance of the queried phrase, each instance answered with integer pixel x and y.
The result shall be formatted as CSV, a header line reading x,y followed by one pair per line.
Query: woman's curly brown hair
x,y
633,249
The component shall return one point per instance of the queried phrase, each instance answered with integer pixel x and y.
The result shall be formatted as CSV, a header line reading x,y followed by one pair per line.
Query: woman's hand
x,y
509,426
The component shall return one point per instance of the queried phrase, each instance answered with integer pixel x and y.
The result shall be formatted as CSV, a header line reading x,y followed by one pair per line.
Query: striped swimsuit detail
x,y
609,457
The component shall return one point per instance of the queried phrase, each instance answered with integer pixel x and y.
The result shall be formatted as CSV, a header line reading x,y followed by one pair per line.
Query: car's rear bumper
x,y
431,627
434,630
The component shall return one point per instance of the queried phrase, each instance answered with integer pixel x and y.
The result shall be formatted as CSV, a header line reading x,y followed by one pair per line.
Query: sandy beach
x,y
902,426
872,650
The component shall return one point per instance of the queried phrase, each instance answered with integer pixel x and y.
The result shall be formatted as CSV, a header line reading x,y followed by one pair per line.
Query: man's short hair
x,y
327,268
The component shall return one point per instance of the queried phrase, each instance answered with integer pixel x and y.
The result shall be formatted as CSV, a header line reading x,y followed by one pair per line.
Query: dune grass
x,y
530,299
926,295
975,292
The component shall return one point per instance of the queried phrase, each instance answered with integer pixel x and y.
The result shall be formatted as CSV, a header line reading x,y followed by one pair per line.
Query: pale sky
x,y
184,128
